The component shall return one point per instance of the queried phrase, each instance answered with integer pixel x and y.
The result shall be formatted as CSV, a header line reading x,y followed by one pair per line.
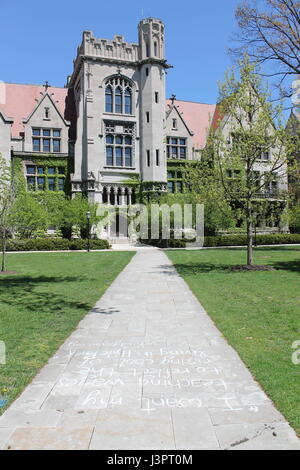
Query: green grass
x,y
258,313
42,305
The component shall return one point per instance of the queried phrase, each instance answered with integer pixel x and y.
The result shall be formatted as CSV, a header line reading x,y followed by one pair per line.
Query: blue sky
x,y
38,40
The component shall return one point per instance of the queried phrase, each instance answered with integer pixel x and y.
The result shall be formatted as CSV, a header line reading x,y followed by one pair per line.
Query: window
x,y
46,145
265,155
109,156
147,117
56,145
31,183
36,145
118,95
61,184
174,123
175,183
51,184
30,170
128,101
108,100
118,100
147,72
47,113
155,49
118,149
176,148
171,186
128,156
157,157
156,97
41,183
179,186
147,50
41,178
119,156
46,140
148,157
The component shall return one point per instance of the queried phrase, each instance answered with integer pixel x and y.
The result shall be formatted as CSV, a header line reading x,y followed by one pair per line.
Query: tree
x,y
6,202
28,216
294,218
250,153
74,215
202,184
271,34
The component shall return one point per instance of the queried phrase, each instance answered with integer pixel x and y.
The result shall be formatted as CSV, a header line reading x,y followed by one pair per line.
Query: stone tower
x,y
152,102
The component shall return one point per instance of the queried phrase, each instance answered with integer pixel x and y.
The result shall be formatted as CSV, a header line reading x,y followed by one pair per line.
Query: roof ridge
x,y
34,84
195,102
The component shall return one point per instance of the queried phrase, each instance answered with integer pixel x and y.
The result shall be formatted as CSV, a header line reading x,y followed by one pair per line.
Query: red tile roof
x,y
198,117
18,101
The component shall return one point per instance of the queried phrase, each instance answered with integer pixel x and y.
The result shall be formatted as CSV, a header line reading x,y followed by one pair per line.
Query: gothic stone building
x,y
109,125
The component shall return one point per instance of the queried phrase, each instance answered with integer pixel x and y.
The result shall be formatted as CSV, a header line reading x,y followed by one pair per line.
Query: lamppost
x,y
88,218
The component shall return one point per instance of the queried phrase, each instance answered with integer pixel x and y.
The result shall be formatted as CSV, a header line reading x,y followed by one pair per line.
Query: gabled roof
x,y
198,117
173,107
21,100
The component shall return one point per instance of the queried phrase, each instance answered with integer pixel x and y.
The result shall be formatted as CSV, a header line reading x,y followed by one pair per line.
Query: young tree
x,y
28,216
201,180
6,202
269,33
251,154
74,214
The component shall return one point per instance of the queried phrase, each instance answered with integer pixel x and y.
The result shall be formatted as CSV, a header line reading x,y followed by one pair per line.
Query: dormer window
x,y
46,140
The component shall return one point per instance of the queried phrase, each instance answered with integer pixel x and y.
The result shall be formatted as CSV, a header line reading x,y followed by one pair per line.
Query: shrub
x,y
232,240
52,244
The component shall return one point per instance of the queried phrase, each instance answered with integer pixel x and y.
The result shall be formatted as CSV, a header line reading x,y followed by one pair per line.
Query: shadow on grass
x,y
196,268
22,292
293,265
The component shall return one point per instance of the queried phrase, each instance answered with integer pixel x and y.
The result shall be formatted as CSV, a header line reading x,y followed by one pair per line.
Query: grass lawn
x,y
42,305
258,312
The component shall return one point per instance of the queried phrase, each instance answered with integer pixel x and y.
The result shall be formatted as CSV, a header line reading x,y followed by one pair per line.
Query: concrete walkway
x,y
146,369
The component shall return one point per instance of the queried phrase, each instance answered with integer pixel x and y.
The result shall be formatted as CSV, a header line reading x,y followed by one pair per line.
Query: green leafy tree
x,y
201,180
294,218
6,202
28,216
251,154
74,214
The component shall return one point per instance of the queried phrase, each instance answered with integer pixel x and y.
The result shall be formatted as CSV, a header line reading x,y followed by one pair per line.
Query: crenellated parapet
x,y
115,49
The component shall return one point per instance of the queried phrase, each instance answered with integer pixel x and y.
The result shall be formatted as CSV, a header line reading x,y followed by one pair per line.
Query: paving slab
x,y
145,369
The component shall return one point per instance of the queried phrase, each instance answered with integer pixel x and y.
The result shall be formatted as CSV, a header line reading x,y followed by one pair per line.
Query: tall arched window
x,y
118,95
118,100
108,99
128,101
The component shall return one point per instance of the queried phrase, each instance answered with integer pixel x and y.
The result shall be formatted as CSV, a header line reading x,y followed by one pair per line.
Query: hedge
x,y
52,244
232,240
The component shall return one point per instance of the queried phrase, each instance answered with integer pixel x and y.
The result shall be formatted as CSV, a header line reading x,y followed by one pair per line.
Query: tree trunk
x,y
249,235
3,250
